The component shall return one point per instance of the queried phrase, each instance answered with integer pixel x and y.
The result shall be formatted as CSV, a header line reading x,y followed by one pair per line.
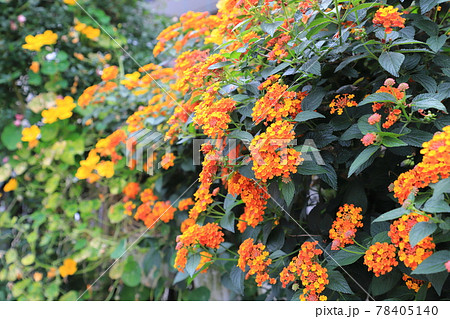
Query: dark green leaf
x,y
391,62
421,230
313,100
378,97
288,191
436,43
192,262
338,282
11,135
384,283
120,249
237,280
307,115
362,158
392,214
270,28
433,264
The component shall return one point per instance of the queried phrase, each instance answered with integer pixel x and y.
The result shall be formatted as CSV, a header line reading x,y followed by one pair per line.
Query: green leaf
x,y
116,270
49,131
219,65
426,81
229,202
49,68
416,137
391,62
349,60
307,115
421,230
313,100
427,5
11,136
438,280
364,126
344,258
378,97
390,141
436,43
312,66
116,213
271,28
237,280
276,239
192,263
310,168
338,282
70,296
392,214
198,294
52,184
433,264
241,135
28,259
227,221
288,191
384,283
424,103
351,133
131,273
120,249
362,158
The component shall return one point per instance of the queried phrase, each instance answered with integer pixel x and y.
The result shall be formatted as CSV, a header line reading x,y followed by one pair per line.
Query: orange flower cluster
x,y
131,190
399,234
277,102
388,17
150,214
413,283
339,103
202,196
147,196
435,165
393,113
343,230
256,259
88,95
167,160
380,258
278,51
270,153
185,203
110,73
254,197
198,75
313,276
213,116
209,235
107,146
129,207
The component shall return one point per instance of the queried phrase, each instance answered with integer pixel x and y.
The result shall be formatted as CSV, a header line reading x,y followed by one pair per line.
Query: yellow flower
x,y
70,2
34,67
35,43
30,134
91,32
11,185
105,169
50,116
68,268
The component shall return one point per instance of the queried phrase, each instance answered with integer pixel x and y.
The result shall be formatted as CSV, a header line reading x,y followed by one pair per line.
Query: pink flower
x,y
21,18
374,118
447,265
369,139
389,82
403,86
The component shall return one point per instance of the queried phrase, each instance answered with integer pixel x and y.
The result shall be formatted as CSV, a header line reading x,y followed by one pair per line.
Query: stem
x,y
353,252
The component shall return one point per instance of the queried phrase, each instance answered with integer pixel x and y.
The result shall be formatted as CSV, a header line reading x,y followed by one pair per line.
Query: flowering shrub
x,y
276,216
